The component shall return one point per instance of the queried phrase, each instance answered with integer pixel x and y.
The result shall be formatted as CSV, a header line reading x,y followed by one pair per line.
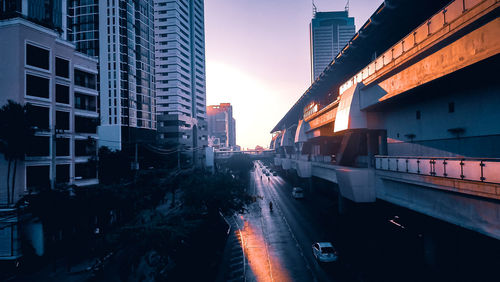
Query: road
x,y
277,243
376,242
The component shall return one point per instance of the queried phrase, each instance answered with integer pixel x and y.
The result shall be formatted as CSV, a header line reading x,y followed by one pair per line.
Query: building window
x,y
62,147
62,120
37,86
418,114
85,79
85,125
62,173
62,94
39,146
37,57
85,102
40,117
62,67
451,107
86,147
37,178
85,170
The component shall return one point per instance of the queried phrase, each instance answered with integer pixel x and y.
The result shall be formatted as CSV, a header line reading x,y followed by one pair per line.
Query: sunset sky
x,y
257,57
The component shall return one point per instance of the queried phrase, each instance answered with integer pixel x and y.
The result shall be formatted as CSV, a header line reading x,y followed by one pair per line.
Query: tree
x,y
214,193
240,164
16,133
113,166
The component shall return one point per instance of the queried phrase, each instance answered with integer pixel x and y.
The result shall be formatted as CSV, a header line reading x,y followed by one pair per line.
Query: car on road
x,y
324,252
298,193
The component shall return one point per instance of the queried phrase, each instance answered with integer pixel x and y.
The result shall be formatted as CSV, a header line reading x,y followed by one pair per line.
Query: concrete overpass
x,y
255,153
417,125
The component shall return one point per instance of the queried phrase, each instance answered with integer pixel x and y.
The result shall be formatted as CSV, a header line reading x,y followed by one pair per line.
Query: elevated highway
x,y
416,123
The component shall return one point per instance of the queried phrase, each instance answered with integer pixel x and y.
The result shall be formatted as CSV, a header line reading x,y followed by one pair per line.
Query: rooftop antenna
x,y
315,10
347,7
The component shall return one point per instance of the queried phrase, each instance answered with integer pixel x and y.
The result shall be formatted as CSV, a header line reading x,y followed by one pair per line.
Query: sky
x,y
257,58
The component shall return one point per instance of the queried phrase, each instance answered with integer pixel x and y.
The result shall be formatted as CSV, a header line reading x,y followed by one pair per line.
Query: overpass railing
x,y
439,21
310,158
474,169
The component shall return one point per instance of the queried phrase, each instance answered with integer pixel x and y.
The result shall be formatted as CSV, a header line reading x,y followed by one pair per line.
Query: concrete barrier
x,y
357,184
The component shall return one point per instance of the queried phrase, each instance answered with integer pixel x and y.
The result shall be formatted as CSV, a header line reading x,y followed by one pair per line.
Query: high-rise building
x,y
83,25
48,13
329,33
180,72
127,71
222,125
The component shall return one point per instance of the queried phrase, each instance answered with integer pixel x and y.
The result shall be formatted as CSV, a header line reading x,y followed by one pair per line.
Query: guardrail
x,y
474,169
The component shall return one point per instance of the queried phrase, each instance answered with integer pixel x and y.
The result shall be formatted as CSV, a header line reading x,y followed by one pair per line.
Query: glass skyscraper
x,y
127,73
329,33
48,13
83,25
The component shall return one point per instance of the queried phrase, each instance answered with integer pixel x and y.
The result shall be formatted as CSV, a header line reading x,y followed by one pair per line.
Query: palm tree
x,y
16,131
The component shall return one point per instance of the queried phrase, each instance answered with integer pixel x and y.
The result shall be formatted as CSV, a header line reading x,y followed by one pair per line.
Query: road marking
x,y
278,208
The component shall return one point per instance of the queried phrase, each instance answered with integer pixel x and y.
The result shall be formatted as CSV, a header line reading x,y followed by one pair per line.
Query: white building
x,y
39,68
180,72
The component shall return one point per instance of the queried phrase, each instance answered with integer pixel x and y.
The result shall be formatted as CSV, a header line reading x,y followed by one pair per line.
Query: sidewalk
x,y
233,263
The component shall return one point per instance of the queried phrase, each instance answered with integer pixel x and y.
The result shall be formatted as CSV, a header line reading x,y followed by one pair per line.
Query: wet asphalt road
x,y
278,243
376,242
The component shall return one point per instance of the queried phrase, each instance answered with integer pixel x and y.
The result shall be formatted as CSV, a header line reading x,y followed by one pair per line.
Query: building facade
x,y
329,32
40,68
83,26
48,13
221,125
180,73
60,84
127,73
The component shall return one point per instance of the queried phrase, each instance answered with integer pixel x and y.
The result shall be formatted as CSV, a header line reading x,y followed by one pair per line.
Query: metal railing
x,y
474,169
436,23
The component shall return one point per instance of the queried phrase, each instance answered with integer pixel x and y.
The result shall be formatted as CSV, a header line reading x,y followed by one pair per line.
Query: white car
x,y
298,193
324,252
